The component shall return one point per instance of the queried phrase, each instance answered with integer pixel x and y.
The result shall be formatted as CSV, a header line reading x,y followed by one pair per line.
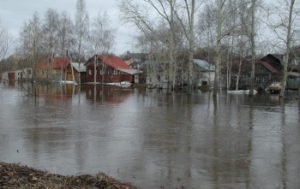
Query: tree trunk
x,y
218,50
191,46
252,47
288,43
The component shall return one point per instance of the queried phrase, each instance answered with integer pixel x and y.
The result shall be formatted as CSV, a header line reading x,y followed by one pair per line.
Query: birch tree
x,y
50,32
137,13
283,22
220,35
253,47
81,32
207,27
30,46
190,7
243,45
101,38
65,34
31,41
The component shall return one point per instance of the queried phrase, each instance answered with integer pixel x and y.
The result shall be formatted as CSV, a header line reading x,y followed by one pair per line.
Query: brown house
x,y
110,69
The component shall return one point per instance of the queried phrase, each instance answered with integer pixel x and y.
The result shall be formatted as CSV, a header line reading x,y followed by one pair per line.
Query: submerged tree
x,y
101,38
283,21
81,32
31,42
137,13
253,47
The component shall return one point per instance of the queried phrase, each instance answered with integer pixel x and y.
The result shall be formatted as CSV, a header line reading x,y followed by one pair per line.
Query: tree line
x,y
55,34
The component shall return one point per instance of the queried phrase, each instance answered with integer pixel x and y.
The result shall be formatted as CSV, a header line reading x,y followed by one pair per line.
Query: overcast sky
x,y
13,13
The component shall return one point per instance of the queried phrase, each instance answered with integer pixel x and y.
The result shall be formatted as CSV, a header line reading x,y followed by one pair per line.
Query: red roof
x,y
60,62
113,61
268,66
42,65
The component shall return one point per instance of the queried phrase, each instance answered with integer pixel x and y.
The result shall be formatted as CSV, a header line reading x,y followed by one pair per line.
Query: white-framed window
x,y
115,72
90,72
101,72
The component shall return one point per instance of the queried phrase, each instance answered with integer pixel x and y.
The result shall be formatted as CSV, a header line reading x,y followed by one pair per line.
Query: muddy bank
x,y
23,177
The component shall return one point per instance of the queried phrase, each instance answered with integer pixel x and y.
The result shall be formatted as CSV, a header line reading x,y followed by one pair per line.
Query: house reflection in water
x,y
107,93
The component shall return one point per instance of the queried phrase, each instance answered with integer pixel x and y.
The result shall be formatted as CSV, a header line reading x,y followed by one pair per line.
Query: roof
x,y
42,65
130,71
113,61
268,66
76,67
128,62
204,65
60,62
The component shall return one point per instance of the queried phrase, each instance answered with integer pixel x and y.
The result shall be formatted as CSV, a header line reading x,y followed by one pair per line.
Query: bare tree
x,y
6,41
137,13
190,8
30,45
220,35
50,32
81,31
65,33
284,24
31,42
253,47
101,38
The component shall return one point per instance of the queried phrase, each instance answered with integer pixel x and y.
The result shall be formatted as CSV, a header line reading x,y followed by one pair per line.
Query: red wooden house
x,y
109,69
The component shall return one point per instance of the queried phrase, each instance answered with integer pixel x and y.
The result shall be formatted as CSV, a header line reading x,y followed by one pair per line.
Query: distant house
x,y
205,72
17,75
154,72
110,69
270,69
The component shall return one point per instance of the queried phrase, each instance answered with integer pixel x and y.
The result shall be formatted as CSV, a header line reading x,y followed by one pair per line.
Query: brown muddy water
x,y
152,139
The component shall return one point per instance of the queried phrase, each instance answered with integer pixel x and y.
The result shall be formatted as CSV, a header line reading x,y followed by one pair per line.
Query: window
x,y
90,72
101,72
115,72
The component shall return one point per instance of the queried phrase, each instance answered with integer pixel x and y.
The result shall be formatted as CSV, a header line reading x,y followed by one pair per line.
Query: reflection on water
x,y
153,139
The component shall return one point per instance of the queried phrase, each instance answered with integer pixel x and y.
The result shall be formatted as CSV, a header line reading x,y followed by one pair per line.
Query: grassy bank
x,y
23,177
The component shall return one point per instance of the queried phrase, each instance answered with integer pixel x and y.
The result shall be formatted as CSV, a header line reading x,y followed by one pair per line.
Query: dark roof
x,y
267,65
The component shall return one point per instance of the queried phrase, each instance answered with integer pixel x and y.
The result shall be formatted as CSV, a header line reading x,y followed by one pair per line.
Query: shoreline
x,y
21,176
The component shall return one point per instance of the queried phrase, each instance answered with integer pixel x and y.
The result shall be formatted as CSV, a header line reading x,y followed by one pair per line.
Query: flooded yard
x,y
152,139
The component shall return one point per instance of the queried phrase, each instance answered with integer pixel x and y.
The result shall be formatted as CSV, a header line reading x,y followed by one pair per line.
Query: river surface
x,y
152,139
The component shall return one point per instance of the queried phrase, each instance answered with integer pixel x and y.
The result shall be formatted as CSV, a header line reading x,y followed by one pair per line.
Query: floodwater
x,y
152,139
